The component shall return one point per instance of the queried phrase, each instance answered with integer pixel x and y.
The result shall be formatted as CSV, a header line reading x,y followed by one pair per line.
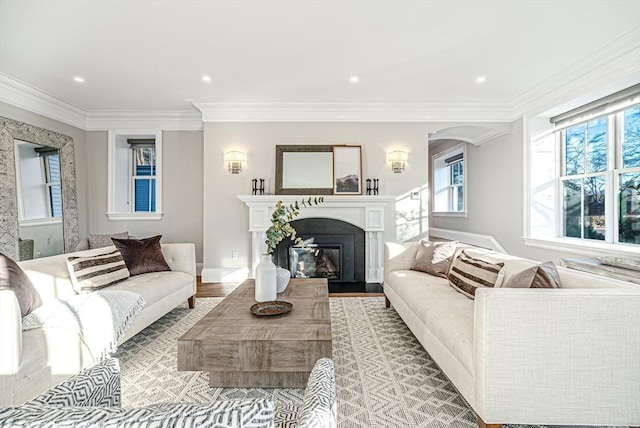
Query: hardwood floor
x,y
221,289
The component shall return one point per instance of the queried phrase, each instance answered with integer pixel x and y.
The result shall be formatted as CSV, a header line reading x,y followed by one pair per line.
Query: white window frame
x,y
589,247
48,184
42,221
452,193
134,178
113,212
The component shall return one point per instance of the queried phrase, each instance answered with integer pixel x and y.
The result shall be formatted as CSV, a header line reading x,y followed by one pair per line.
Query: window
x,y
135,179
601,178
449,182
584,178
583,183
40,191
52,183
143,175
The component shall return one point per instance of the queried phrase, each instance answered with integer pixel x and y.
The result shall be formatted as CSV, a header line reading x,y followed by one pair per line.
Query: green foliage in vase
x,y
280,226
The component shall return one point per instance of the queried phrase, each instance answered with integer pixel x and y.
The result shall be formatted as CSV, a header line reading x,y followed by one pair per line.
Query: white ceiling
x,y
151,55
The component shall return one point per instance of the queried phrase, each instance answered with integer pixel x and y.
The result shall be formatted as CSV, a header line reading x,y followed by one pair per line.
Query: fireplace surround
x,y
338,253
366,213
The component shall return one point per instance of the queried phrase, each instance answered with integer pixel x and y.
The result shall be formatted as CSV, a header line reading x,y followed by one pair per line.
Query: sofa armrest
x,y
10,332
98,385
572,355
319,405
181,257
399,255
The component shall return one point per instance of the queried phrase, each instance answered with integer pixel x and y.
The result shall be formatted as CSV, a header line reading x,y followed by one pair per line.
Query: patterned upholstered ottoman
x,y
92,398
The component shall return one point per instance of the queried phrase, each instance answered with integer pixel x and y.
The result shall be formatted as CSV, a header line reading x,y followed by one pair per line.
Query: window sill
x,y
39,222
449,214
135,216
569,245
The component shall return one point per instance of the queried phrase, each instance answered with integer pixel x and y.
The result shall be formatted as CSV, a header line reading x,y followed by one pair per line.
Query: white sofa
x,y
565,356
33,361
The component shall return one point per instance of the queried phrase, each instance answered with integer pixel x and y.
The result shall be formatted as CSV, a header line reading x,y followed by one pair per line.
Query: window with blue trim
x,y
144,179
135,175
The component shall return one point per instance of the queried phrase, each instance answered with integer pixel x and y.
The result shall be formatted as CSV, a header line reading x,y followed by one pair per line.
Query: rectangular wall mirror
x,y
304,170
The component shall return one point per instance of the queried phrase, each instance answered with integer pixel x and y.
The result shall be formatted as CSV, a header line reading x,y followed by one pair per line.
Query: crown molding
x,y
613,67
164,120
27,97
472,134
354,111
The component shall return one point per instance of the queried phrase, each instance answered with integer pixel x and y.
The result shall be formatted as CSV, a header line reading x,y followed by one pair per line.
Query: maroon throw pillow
x,y
14,278
142,255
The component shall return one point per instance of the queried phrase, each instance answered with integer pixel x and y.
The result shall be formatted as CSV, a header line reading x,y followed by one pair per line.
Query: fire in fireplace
x,y
324,261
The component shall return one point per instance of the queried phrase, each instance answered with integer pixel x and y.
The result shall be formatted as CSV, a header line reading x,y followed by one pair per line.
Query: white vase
x,y
283,275
265,283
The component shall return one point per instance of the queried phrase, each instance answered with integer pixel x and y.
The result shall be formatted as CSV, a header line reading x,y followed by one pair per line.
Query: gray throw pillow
x,y
434,257
544,275
14,278
100,241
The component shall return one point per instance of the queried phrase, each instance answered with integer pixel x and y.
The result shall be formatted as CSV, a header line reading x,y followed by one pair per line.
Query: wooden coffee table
x,y
239,349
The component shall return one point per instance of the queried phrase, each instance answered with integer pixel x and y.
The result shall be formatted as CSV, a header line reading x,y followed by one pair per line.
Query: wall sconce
x,y
234,161
398,160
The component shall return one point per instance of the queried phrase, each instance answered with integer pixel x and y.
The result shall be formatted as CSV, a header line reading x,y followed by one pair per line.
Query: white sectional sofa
x,y
35,360
568,356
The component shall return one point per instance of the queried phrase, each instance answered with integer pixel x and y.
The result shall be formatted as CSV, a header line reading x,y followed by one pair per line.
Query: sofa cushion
x,y
154,286
468,273
447,315
95,272
142,255
101,318
544,275
14,278
434,257
101,241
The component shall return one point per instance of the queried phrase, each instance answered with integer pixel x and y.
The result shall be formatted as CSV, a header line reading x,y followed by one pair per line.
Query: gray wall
x,y
226,217
182,190
183,182
200,196
495,194
79,145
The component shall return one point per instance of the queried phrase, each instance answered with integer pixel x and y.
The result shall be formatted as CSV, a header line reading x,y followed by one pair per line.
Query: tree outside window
x,y
595,171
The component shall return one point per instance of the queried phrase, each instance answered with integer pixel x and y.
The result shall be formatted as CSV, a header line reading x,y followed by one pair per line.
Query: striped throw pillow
x,y
467,274
95,272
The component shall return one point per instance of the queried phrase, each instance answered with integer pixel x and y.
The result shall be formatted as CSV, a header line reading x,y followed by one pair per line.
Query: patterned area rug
x,y
384,376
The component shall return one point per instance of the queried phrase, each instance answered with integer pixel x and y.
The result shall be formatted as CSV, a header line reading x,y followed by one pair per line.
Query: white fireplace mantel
x,y
365,212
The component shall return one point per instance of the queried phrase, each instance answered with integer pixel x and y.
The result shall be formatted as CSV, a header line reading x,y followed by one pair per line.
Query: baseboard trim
x,y
485,241
224,274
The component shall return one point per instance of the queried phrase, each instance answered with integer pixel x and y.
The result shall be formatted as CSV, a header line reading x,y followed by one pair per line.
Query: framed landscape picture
x,y
347,170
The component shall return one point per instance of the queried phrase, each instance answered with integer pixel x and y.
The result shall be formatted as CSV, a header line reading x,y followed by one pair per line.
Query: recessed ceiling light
x,y
481,79
206,78
78,79
354,79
